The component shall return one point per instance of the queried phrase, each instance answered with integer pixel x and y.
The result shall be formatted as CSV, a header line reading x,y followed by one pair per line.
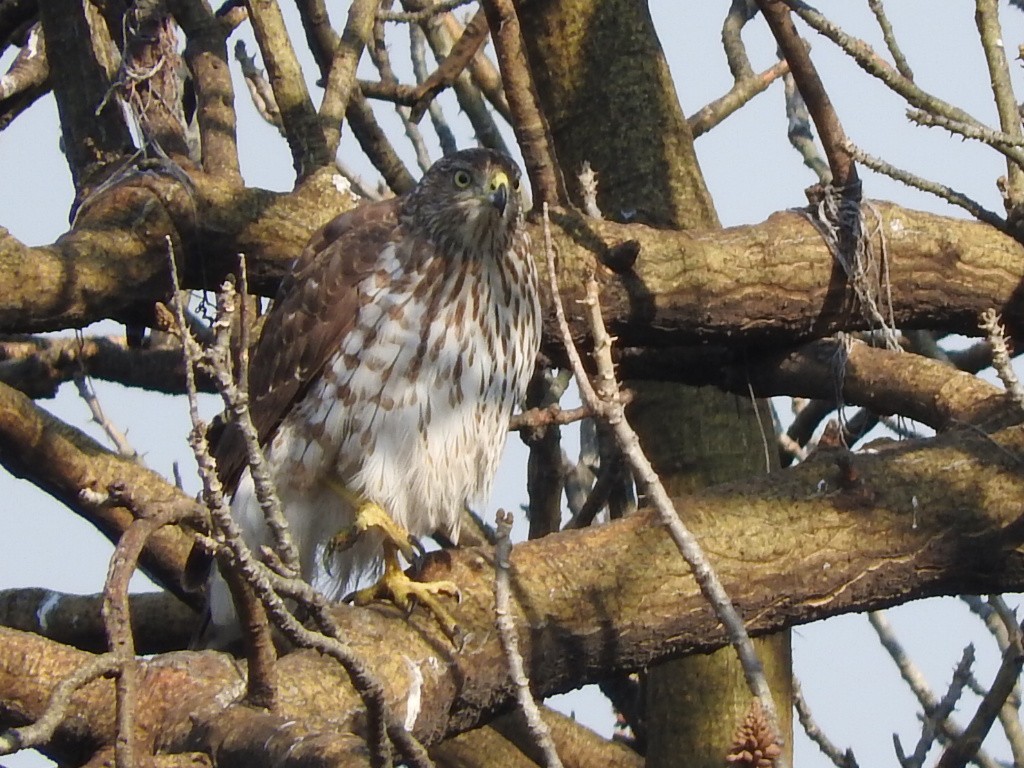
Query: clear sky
x,y
751,171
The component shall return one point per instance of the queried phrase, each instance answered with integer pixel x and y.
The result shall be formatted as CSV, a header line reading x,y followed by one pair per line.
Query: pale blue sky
x,y
849,682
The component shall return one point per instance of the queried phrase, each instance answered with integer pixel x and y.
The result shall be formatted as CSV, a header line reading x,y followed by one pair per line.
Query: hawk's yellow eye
x,y
462,179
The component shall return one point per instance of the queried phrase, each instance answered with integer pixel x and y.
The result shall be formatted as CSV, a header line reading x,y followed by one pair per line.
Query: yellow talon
x,y
396,587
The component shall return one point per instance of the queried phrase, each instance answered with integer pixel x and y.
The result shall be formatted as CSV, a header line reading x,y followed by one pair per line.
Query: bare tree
x,y
703,541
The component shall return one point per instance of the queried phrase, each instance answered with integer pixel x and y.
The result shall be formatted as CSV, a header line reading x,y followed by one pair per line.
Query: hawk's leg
x,y
369,515
396,587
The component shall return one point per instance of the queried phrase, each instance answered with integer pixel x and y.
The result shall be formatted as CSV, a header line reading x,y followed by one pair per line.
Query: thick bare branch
x,y
310,151
685,287
528,121
80,473
95,134
342,78
206,56
852,547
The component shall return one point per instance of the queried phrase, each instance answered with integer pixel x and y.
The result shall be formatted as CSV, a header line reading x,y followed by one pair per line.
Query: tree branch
x,y
79,472
310,151
851,548
698,287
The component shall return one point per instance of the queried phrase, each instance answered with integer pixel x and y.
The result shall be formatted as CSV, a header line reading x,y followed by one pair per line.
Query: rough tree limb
x,y
761,285
93,482
856,541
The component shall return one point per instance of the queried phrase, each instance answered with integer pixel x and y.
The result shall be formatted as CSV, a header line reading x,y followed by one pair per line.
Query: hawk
x,y
384,378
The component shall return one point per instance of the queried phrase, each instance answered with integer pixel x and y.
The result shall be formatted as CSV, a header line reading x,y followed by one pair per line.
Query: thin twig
x,y
996,335
382,61
418,53
967,745
948,194
931,721
469,96
948,729
510,642
994,138
43,729
88,394
603,400
472,40
876,66
415,17
742,92
260,651
839,758
833,137
890,39
235,393
986,16
1002,622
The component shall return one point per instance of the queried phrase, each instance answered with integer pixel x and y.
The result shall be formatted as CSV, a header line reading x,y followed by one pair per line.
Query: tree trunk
x,y
607,91
696,438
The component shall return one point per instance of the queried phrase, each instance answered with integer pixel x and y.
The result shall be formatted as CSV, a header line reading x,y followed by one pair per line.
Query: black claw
x,y
417,546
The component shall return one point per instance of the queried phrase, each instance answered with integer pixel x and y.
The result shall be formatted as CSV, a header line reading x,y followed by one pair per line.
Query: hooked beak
x,y
499,191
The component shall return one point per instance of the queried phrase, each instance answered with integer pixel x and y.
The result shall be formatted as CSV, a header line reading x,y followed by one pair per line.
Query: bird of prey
x,y
385,376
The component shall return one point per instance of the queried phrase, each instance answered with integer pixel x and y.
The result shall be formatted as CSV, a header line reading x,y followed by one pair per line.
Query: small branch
x,y
510,642
1002,623
839,758
206,56
918,685
967,745
466,92
382,61
998,140
429,12
742,92
942,711
260,652
116,614
42,730
309,147
987,18
30,67
472,40
236,400
376,145
1001,361
833,138
876,66
603,400
948,194
117,437
545,477
260,92
890,39
418,53
528,121
482,71
342,78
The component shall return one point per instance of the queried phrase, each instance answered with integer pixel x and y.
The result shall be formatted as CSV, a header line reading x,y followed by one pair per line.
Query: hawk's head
x,y
468,201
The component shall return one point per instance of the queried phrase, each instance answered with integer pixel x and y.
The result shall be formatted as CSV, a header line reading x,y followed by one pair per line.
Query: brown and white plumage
x,y
391,363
